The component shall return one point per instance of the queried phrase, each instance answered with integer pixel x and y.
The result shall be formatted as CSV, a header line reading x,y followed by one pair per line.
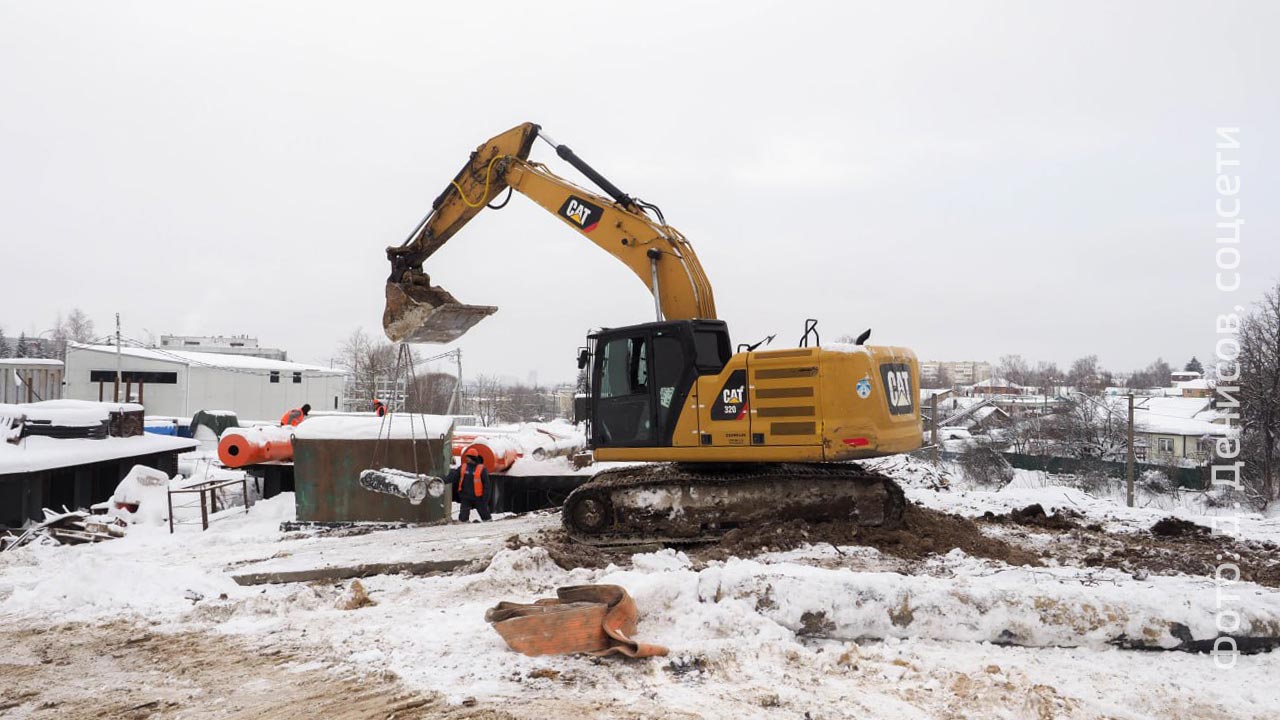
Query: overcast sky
x,y
967,179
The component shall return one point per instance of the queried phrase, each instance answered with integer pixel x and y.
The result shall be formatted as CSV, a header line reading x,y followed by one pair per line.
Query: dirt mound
x,y
1193,554
1176,547
1034,515
1173,527
569,554
924,532
138,674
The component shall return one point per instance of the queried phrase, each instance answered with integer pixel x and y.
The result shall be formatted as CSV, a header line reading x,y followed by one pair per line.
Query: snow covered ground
x,y
818,631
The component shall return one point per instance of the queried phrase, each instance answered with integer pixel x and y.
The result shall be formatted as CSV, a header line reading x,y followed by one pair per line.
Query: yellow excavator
x,y
725,438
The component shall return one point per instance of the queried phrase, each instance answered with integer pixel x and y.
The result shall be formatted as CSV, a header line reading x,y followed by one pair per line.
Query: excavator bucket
x,y
421,313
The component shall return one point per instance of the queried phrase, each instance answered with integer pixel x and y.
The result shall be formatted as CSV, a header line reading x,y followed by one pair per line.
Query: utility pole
x,y
933,426
454,401
1129,464
119,362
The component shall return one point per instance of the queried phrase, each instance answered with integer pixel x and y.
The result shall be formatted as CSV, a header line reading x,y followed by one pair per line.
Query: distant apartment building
x,y
223,345
961,372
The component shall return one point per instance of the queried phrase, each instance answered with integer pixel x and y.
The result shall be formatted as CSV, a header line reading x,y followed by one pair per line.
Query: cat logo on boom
x,y
898,391
584,214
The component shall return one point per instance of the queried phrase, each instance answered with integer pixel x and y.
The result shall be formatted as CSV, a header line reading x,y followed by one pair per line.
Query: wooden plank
x,y
418,551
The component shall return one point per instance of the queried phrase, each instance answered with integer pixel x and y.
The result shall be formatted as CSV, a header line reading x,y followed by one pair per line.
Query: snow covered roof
x,y
33,454
68,412
397,426
997,382
1173,406
926,393
1198,384
983,413
205,359
1166,425
30,361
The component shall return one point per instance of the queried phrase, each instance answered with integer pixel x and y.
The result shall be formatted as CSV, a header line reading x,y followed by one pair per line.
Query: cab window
x,y
624,368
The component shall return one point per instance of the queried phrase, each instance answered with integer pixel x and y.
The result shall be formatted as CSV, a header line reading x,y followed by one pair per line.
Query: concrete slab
x,y
422,550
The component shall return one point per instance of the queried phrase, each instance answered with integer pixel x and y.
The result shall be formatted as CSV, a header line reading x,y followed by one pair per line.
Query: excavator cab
x,y
641,376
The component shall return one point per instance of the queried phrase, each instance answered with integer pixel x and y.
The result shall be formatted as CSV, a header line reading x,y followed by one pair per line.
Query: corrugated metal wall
x,y
327,472
44,379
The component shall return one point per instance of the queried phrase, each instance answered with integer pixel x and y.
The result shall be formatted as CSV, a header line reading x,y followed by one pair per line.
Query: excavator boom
x,y
623,226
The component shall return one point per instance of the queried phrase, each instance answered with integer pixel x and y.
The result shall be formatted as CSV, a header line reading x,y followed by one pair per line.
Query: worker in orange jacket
x,y
471,487
295,416
378,408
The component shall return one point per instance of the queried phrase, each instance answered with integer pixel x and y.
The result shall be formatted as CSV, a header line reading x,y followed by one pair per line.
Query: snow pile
x,y
1036,487
1059,607
909,471
148,572
147,490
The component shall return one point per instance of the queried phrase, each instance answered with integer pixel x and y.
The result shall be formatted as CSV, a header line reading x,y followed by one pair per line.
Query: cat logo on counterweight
x,y
898,392
585,215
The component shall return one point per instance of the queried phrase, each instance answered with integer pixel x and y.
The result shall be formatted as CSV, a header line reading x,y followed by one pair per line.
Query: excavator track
x,y
687,503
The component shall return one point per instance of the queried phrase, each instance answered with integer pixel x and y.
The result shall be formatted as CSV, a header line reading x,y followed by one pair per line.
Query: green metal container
x,y
327,479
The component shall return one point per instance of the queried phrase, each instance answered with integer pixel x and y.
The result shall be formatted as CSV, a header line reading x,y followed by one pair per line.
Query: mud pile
x,y
924,532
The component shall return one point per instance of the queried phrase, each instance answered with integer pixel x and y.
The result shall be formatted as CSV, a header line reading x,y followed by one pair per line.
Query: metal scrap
x,y
68,528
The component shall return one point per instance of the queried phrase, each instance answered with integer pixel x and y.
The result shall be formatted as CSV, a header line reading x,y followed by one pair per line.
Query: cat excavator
x,y
721,437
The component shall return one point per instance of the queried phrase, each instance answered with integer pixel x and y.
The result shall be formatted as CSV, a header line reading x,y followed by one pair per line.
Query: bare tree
x,y
1259,364
1027,435
1156,375
1087,375
1013,367
75,327
1089,427
371,364
431,392
1046,375
487,399
986,467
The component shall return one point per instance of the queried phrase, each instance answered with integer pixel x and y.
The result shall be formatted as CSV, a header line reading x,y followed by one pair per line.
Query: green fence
x,y
1192,478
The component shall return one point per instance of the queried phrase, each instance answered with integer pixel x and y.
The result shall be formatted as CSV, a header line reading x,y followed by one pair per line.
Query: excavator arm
x,y
657,253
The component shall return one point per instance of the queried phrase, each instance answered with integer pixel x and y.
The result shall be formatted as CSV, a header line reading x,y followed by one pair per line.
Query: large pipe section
x,y
249,446
497,453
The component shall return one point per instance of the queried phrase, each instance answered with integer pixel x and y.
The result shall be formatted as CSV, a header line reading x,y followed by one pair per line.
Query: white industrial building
x,y
178,384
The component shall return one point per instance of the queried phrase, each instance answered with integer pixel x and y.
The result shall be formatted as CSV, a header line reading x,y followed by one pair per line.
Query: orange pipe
x,y
498,453
460,443
250,448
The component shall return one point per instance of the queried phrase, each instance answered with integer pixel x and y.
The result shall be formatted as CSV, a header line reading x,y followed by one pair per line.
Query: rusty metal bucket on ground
x,y
327,479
